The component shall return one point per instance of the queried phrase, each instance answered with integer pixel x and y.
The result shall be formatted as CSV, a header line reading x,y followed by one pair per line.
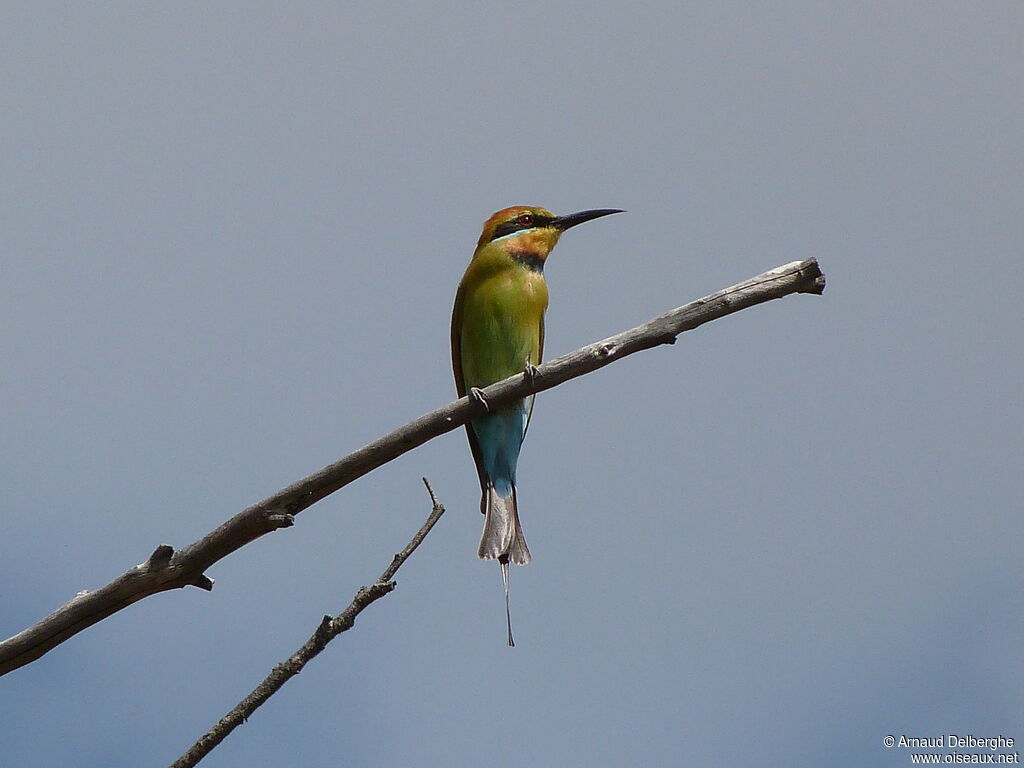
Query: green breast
x,y
502,315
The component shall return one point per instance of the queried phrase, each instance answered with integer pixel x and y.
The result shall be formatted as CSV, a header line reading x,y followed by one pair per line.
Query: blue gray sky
x,y
230,238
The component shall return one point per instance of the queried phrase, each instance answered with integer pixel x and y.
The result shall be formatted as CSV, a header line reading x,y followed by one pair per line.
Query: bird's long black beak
x,y
564,222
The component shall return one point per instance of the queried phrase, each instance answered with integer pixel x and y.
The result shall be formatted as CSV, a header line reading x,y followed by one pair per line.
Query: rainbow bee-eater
x,y
497,332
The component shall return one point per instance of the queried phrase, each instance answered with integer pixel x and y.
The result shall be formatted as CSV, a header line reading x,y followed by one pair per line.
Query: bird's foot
x,y
531,372
478,395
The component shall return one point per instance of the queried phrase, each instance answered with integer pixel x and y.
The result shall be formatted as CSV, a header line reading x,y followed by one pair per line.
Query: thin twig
x,y
166,569
328,630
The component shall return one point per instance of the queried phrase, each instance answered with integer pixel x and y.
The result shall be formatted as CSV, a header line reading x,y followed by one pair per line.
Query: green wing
x,y
460,384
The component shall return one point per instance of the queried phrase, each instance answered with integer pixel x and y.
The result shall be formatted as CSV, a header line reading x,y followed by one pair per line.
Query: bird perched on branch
x,y
497,332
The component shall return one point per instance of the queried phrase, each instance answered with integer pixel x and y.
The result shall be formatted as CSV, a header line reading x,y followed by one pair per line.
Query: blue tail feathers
x,y
500,436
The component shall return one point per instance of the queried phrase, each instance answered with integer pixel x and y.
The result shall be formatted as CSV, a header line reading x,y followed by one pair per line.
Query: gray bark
x,y
169,569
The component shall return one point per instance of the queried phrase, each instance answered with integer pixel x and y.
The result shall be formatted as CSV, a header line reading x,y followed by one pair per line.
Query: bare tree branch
x,y
166,569
328,630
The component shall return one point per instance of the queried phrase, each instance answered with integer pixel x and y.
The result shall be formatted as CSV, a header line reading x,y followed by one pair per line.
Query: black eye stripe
x,y
508,227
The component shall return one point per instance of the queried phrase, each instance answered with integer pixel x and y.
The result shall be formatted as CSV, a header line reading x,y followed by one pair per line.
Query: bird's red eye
x,y
526,219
